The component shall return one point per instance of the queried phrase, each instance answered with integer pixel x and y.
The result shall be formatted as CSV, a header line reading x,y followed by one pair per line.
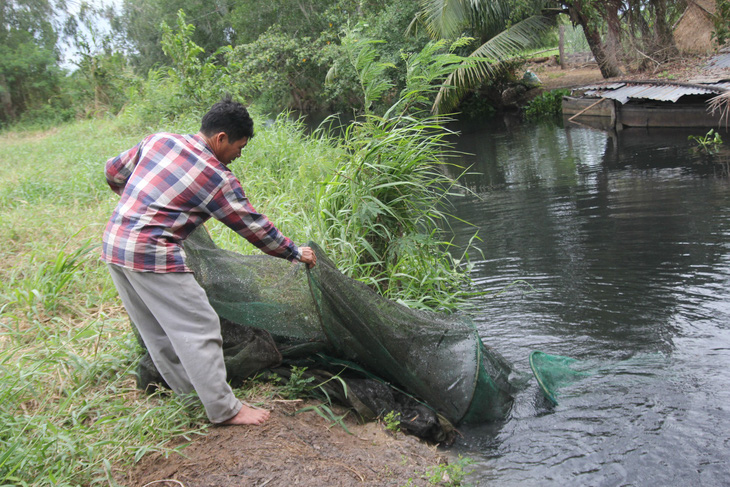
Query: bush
x,y
546,105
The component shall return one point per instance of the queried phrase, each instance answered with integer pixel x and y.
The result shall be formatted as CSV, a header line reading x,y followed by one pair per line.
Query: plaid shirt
x,y
170,184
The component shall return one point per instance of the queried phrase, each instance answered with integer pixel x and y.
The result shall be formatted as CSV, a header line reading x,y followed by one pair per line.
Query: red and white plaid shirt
x,y
170,184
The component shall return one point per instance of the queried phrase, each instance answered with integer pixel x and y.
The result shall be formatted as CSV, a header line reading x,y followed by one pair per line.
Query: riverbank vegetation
x,y
60,65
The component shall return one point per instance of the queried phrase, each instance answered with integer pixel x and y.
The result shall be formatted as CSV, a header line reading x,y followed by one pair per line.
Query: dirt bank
x,y
292,449
584,72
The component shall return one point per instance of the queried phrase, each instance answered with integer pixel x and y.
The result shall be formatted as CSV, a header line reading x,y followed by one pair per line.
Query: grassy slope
x,y
68,405
69,410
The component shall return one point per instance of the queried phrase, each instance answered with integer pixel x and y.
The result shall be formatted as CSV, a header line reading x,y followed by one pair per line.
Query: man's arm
x,y
118,169
231,206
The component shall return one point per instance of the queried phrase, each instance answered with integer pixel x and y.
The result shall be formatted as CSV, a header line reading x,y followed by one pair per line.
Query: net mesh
x,y
272,311
554,372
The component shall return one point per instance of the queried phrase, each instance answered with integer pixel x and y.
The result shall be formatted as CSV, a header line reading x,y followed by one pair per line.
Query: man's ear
x,y
220,137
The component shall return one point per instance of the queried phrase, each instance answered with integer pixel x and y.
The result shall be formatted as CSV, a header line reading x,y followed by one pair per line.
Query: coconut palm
x,y
487,21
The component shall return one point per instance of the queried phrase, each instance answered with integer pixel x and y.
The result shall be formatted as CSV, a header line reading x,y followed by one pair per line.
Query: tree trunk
x,y
666,48
613,37
561,46
609,66
6,101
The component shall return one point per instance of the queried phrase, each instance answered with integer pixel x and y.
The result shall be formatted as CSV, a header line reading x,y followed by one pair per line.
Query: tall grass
x,y
383,210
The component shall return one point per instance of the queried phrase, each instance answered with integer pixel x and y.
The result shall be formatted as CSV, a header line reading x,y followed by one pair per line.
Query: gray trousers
x,y
182,333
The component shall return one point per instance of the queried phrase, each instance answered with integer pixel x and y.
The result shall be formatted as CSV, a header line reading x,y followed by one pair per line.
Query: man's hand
x,y
308,256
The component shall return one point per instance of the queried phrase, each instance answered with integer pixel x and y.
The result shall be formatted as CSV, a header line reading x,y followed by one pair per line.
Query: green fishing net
x,y
554,372
392,358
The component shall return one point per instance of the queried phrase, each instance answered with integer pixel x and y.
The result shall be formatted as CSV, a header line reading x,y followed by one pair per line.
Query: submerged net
x,y
554,372
392,358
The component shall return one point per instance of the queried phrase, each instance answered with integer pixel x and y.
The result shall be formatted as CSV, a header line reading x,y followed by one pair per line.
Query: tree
x,y
141,20
29,74
634,29
589,14
648,26
301,18
498,38
617,31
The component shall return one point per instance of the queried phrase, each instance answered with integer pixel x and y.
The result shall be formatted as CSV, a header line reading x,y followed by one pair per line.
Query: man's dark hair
x,y
230,117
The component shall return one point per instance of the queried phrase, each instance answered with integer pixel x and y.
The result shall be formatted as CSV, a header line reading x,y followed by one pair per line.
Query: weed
x,y
297,384
547,105
69,410
452,473
392,421
326,412
709,143
48,279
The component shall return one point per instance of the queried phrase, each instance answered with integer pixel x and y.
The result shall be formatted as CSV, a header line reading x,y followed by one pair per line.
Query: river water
x,y
613,249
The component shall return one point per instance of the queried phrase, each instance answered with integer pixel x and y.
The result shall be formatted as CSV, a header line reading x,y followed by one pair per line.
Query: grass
x,y
69,409
70,413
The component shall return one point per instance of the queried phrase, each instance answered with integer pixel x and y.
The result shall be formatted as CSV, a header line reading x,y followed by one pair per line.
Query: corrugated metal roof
x,y
606,86
626,91
719,61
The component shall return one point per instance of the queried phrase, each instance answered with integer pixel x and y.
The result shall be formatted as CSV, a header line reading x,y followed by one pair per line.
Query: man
x,y
169,185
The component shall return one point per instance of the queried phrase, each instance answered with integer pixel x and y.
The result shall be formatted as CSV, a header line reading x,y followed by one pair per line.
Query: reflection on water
x,y
611,248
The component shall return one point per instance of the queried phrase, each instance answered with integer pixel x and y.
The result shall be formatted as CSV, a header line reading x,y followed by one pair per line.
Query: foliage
x,y
49,279
476,106
138,26
280,70
196,79
326,412
380,211
294,18
29,72
452,473
387,25
183,90
297,384
721,21
383,208
66,352
69,411
497,40
633,33
710,143
546,105
392,421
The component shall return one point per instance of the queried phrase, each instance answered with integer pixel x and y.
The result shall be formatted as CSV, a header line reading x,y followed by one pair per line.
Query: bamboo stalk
x,y
585,109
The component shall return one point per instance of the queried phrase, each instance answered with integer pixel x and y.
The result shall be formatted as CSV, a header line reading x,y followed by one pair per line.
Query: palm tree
x,y
488,22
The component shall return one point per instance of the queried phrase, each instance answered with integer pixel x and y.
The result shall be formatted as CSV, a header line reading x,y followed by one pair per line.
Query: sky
x,y
68,50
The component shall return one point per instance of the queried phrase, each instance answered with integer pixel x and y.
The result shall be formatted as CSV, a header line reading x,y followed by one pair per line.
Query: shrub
x,y
546,105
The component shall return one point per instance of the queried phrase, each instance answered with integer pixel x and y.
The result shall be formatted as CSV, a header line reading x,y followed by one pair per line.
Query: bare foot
x,y
248,415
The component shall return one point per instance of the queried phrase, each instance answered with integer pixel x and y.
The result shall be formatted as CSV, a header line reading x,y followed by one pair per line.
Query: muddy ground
x,y
581,73
292,450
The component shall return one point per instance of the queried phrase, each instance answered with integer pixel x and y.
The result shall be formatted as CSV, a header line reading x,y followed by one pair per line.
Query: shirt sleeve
x,y
231,206
118,169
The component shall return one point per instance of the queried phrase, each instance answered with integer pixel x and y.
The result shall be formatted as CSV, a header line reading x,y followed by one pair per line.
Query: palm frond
x,y
721,103
491,57
446,19
489,18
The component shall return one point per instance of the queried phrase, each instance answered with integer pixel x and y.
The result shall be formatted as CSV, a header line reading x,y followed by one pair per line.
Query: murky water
x,y
612,249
